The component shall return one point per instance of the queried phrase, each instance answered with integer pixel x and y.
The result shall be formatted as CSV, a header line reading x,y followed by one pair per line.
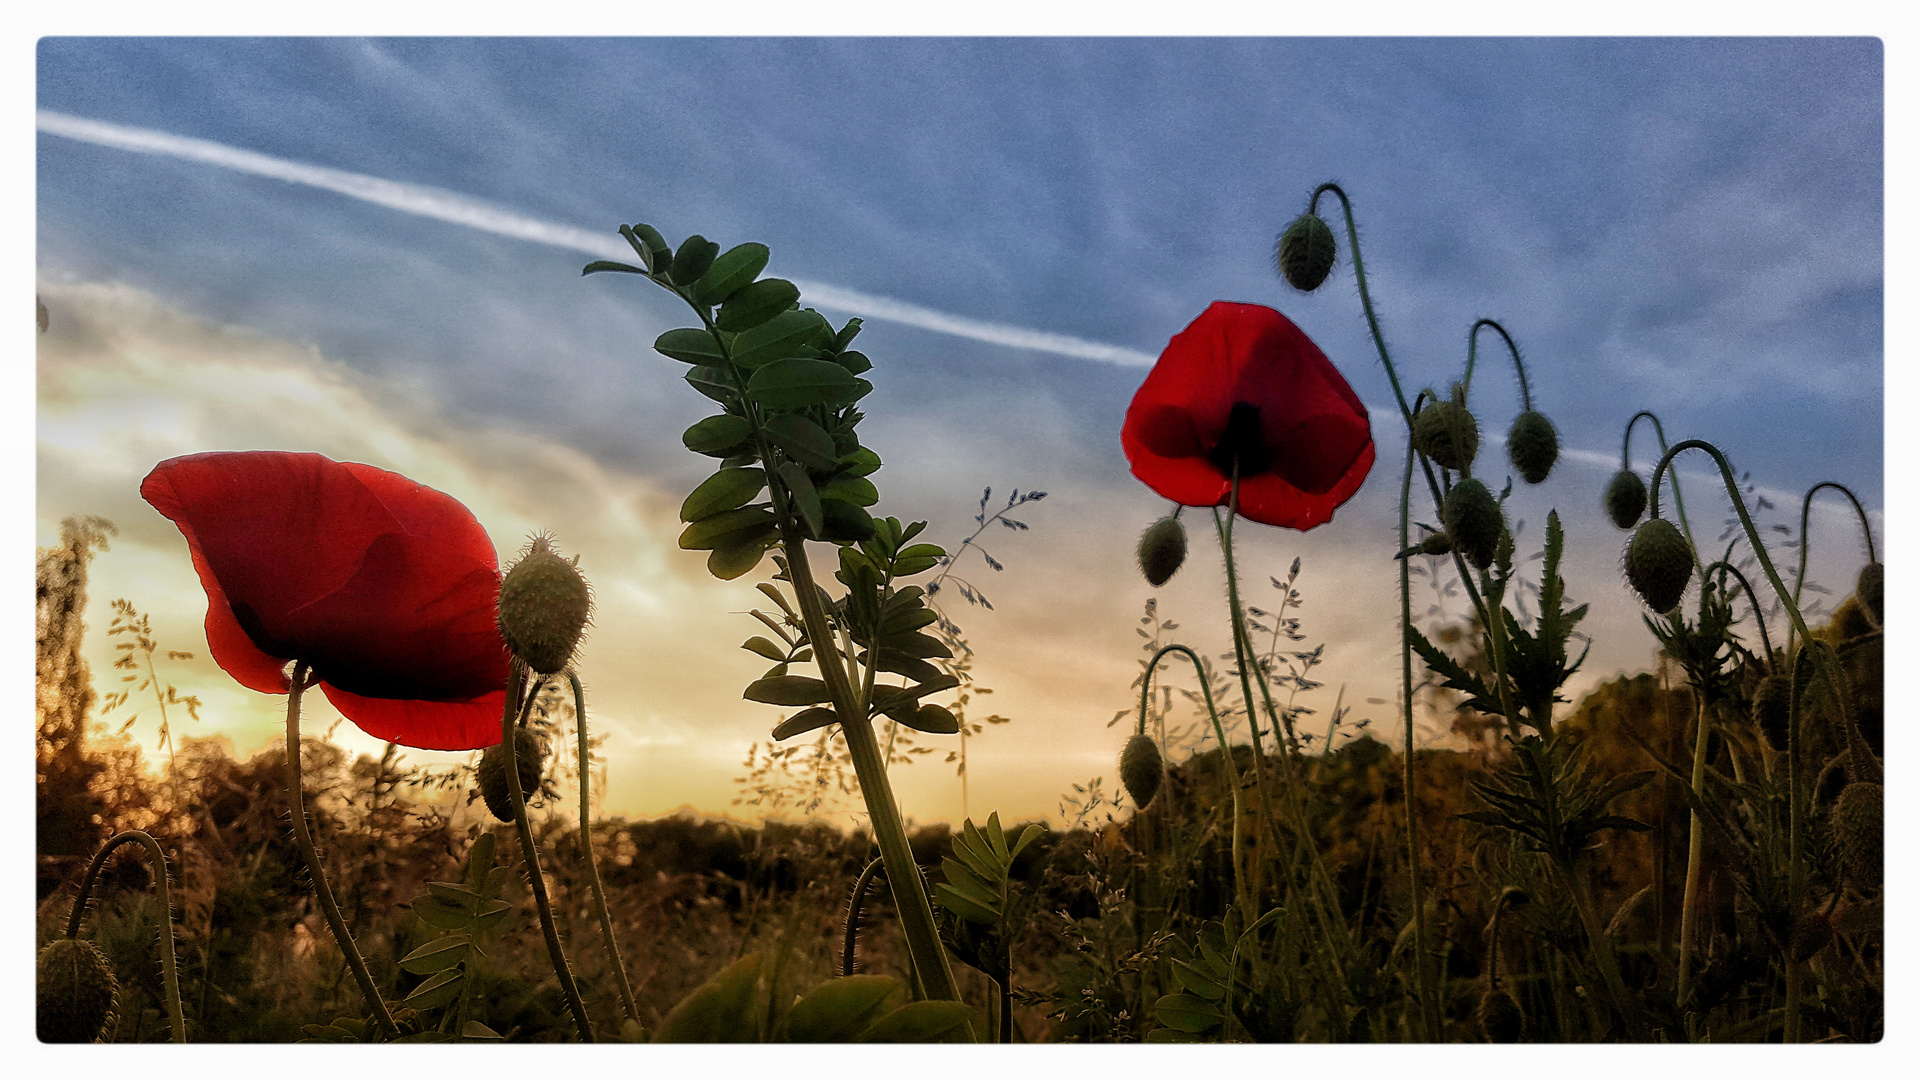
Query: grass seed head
x,y
75,992
1871,591
1304,253
1447,433
1163,547
1473,522
1659,564
1533,446
1499,1017
1140,769
530,755
544,606
1626,498
1859,831
1772,702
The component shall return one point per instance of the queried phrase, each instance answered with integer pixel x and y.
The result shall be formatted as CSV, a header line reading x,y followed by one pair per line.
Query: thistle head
x,y
1140,769
1533,446
1163,547
1626,498
545,604
1304,253
75,992
1659,564
529,753
1473,522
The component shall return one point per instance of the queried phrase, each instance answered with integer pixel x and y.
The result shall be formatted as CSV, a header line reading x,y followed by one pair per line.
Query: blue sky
x,y
1692,226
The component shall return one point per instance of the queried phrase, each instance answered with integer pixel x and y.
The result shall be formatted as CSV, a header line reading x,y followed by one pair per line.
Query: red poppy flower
x,y
384,587
1242,385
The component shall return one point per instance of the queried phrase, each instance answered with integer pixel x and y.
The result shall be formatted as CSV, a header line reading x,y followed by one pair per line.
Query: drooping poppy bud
x,y
1140,769
544,607
1533,446
1858,825
75,992
1499,1017
1659,564
529,754
1304,253
1473,522
1871,591
1772,708
1163,548
1447,433
1626,498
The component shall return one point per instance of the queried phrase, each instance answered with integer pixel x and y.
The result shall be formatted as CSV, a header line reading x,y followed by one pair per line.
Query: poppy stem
x,y
322,892
517,686
1423,989
1806,505
169,973
1473,341
586,850
1679,504
1366,299
1219,733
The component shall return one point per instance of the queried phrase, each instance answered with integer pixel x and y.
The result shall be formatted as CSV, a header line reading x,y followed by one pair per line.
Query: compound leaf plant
x,y
792,470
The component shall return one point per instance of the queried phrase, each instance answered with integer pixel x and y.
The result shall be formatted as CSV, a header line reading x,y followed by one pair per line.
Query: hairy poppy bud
x,y
1140,769
75,992
1659,564
1533,446
1304,252
1446,432
1850,619
1473,521
1434,544
544,604
531,757
1772,706
1163,547
1859,831
1499,1017
1871,591
1626,498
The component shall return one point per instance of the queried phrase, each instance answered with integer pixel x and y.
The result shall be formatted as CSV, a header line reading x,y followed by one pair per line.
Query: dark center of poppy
x,y
1241,443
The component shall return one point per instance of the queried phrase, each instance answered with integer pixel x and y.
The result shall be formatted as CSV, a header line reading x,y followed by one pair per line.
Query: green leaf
x,y
436,955
730,273
802,440
857,490
920,1022
788,334
458,896
803,721
756,303
439,915
601,266
964,906
475,1030
861,462
1190,979
934,720
805,500
436,991
845,521
692,261
718,436
1185,1012
728,489
729,528
799,383
689,345
915,643
886,697
655,252
1027,836
839,1008
899,622
765,648
788,690
856,363
846,335
1171,1035
728,563
715,382
720,1011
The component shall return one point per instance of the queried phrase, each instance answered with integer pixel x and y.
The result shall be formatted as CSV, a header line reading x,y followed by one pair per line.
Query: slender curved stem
x,y
1366,299
1421,974
1679,504
1243,662
1806,505
1226,750
586,852
322,892
168,971
1753,601
1473,340
854,904
518,687
1696,849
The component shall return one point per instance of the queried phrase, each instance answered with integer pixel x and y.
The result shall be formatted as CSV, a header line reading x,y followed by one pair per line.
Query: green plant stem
x,y
1806,506
889,831
1753,601
1679,504
518,688
322,892
1226,750
169,972
586,852
854,904
1366,299
1696,844
1243,662
1473,341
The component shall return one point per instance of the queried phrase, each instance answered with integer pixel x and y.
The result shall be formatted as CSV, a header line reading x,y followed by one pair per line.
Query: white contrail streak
x,y
457,209
460,209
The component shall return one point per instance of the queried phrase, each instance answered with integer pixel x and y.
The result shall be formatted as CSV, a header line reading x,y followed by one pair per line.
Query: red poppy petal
x,y
424,725
433,518
1270,500
232,649
1316,453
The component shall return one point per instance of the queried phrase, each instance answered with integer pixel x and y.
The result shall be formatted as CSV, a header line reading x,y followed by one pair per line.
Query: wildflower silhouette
x,y
383,587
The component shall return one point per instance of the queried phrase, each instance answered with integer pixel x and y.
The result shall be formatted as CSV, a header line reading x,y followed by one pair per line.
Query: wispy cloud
x,y
457,209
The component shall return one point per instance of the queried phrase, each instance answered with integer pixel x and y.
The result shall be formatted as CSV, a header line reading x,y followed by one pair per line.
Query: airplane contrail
x,y
455,208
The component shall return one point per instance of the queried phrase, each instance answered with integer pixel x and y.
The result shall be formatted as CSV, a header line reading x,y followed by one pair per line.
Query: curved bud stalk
x,y
168,968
